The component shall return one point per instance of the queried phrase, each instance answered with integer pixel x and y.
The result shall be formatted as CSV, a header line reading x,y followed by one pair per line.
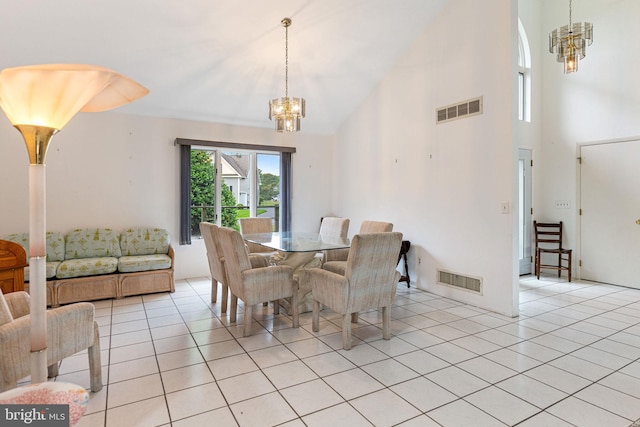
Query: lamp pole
x,y
37,139
39,100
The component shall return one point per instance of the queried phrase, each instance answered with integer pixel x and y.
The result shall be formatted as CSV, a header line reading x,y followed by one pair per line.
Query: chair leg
x,y
559,265
354,317
386,323
295,309
248,318
315,316
537,266
214,290
276,306
346,331
569,267
95,367
225,298
234,308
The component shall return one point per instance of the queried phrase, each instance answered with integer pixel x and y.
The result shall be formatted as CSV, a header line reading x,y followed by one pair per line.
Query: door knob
x,y
638,221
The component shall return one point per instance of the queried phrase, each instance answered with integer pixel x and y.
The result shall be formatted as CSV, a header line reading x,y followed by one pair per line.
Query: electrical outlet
x,y
419,260
563,204
504,206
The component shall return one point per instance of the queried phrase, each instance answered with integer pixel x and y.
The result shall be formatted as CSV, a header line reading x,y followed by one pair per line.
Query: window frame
x,y
185,178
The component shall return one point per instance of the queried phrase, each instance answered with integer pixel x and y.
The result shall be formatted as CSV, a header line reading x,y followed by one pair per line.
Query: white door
x,y
610,220
524,220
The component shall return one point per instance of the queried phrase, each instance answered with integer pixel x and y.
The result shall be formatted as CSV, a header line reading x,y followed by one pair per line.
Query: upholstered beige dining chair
x,y
369,282
70,329
255,285
253,226
331,227
340,255
209,232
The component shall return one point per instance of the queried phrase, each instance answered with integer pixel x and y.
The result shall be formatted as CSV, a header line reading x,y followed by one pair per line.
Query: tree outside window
x,y
203,194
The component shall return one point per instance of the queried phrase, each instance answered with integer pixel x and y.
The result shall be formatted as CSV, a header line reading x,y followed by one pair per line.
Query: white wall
x,y
442,185
115,170
598,103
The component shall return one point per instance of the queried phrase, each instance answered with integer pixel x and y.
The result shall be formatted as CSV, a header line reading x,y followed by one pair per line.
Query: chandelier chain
x,y
286,61
570,16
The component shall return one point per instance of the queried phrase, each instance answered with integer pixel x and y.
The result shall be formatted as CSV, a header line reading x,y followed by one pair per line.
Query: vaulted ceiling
x,y
222,60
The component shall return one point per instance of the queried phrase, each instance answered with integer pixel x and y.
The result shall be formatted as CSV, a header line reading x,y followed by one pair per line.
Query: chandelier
x,y
570,43
286,111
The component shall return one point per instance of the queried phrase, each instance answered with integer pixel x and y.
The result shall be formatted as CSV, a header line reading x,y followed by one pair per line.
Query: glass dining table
x,y
297,241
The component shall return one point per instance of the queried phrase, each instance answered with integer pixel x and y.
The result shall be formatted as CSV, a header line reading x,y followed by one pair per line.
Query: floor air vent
x,y
468,108
468,283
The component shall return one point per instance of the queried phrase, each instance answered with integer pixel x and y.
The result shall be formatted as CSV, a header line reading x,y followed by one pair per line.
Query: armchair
x,y
255,285
216,263
70,329
370,281
256,225
340,256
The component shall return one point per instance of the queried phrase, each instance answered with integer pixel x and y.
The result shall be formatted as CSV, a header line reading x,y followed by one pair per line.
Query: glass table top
x,y
297,241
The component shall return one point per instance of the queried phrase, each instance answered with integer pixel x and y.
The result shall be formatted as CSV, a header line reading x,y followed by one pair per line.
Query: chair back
x,y
236,259
371,270
334,227
5,313
375,227
548,234
253,226
209,232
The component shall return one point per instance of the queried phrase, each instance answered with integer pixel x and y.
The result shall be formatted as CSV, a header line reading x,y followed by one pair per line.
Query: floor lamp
x,y
39,100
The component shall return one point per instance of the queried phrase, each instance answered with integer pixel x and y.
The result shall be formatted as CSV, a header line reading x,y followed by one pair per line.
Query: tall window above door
x,y
524,75
222,182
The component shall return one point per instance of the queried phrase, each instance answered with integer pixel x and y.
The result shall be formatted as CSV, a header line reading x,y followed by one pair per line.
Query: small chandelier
x,y
570,43
287,111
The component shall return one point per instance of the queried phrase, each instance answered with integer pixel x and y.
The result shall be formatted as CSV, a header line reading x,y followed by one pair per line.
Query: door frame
x,y
525,206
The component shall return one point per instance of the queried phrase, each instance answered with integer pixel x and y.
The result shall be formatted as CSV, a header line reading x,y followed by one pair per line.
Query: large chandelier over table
x,y
570,42
286,111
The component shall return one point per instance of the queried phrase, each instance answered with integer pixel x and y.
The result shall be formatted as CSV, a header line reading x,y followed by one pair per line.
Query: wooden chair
x,y
549,241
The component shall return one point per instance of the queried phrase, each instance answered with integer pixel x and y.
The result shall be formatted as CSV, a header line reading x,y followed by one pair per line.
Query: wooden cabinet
x,y
13,260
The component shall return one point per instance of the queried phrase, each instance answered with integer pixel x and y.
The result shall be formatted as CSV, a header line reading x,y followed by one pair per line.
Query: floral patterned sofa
x,y
97,263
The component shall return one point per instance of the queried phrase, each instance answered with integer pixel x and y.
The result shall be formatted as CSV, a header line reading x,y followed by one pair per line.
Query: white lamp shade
x,y
50,95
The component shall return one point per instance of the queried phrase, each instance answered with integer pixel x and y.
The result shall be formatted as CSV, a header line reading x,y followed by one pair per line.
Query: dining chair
x,y
369,282
340,255
211,237
332,227
548,238
253,226
255,285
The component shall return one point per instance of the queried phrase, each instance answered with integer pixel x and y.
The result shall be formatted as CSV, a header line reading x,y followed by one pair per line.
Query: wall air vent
x,y
468,108
468,283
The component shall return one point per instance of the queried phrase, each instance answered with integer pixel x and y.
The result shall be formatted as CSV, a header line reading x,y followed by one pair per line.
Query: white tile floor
x,y
570,359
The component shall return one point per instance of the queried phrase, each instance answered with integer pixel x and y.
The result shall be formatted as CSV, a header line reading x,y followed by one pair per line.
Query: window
x,y
221,182
524,75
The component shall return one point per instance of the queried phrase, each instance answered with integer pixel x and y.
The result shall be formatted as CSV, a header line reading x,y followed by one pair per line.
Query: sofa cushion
x,y
55,244
144,241
92,243
86,267
52,268
130,264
